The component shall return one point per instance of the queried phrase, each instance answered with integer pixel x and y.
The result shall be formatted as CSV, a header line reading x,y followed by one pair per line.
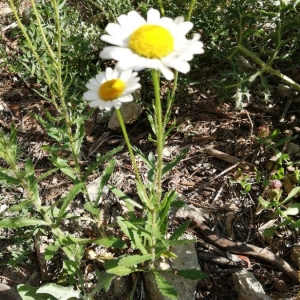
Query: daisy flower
x,y
156,43
111,88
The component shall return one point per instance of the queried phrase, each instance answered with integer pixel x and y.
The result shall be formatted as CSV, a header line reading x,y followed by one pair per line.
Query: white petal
x,y
90,95
116,53
181,66
126,98
92,87
114,29
185,27
153,16
118,41
95,103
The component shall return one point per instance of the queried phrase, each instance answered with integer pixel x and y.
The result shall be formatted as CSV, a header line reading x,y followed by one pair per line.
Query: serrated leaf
x,y
20,222
111,266
133,260
59,292
192,274
165,287
104,281
180,231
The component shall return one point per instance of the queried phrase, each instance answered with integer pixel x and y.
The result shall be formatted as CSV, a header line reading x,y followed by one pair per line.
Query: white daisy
x,y
156,43
111,88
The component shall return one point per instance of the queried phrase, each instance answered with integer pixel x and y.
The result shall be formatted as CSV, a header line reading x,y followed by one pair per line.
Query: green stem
x,y
189,14
32,48
50,52
161,7
266,68
124,131
159,134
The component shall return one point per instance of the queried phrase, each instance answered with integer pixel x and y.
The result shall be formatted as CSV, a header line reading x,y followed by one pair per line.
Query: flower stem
x,y
161,7
159,134
124,131
189,14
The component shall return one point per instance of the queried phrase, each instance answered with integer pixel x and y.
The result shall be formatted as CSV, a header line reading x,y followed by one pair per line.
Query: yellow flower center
x,y
151,41
111,89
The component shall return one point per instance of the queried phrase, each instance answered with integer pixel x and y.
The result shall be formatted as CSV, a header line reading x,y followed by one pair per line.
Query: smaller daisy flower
x,y
111,88
156,43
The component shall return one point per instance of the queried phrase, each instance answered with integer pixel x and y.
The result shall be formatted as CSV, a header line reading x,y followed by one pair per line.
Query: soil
x,y
204,177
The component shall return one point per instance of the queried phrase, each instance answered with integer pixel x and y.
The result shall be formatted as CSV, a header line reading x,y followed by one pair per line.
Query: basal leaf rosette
x,y
111,88
157,43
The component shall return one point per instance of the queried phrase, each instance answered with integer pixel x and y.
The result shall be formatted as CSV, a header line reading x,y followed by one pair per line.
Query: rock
x,y
93,190
8,293
186,259
130,112
247,286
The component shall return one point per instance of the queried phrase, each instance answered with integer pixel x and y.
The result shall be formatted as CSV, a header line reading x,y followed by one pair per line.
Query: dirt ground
x,y
205,121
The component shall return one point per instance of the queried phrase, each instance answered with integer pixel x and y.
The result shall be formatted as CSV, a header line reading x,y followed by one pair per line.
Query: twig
x,y
285,109
238,247
228,158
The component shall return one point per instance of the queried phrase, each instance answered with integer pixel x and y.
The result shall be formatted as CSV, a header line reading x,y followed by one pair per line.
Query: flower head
x,y
111,88
156,43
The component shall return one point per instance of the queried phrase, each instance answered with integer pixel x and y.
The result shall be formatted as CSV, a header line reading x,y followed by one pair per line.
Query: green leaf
x,y
169,166
29,293
165,208
292,193
67,199
180,230
111,266
269,232
51,250
109,241
136,241
292,210
100,160
20,222
59,292
105,177
263,202
104,281
133,260
165,287
23,204
91,208
192,274
123,196
7,178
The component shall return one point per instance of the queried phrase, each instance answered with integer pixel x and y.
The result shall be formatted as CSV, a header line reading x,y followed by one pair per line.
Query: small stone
x,y
284,90
248,287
